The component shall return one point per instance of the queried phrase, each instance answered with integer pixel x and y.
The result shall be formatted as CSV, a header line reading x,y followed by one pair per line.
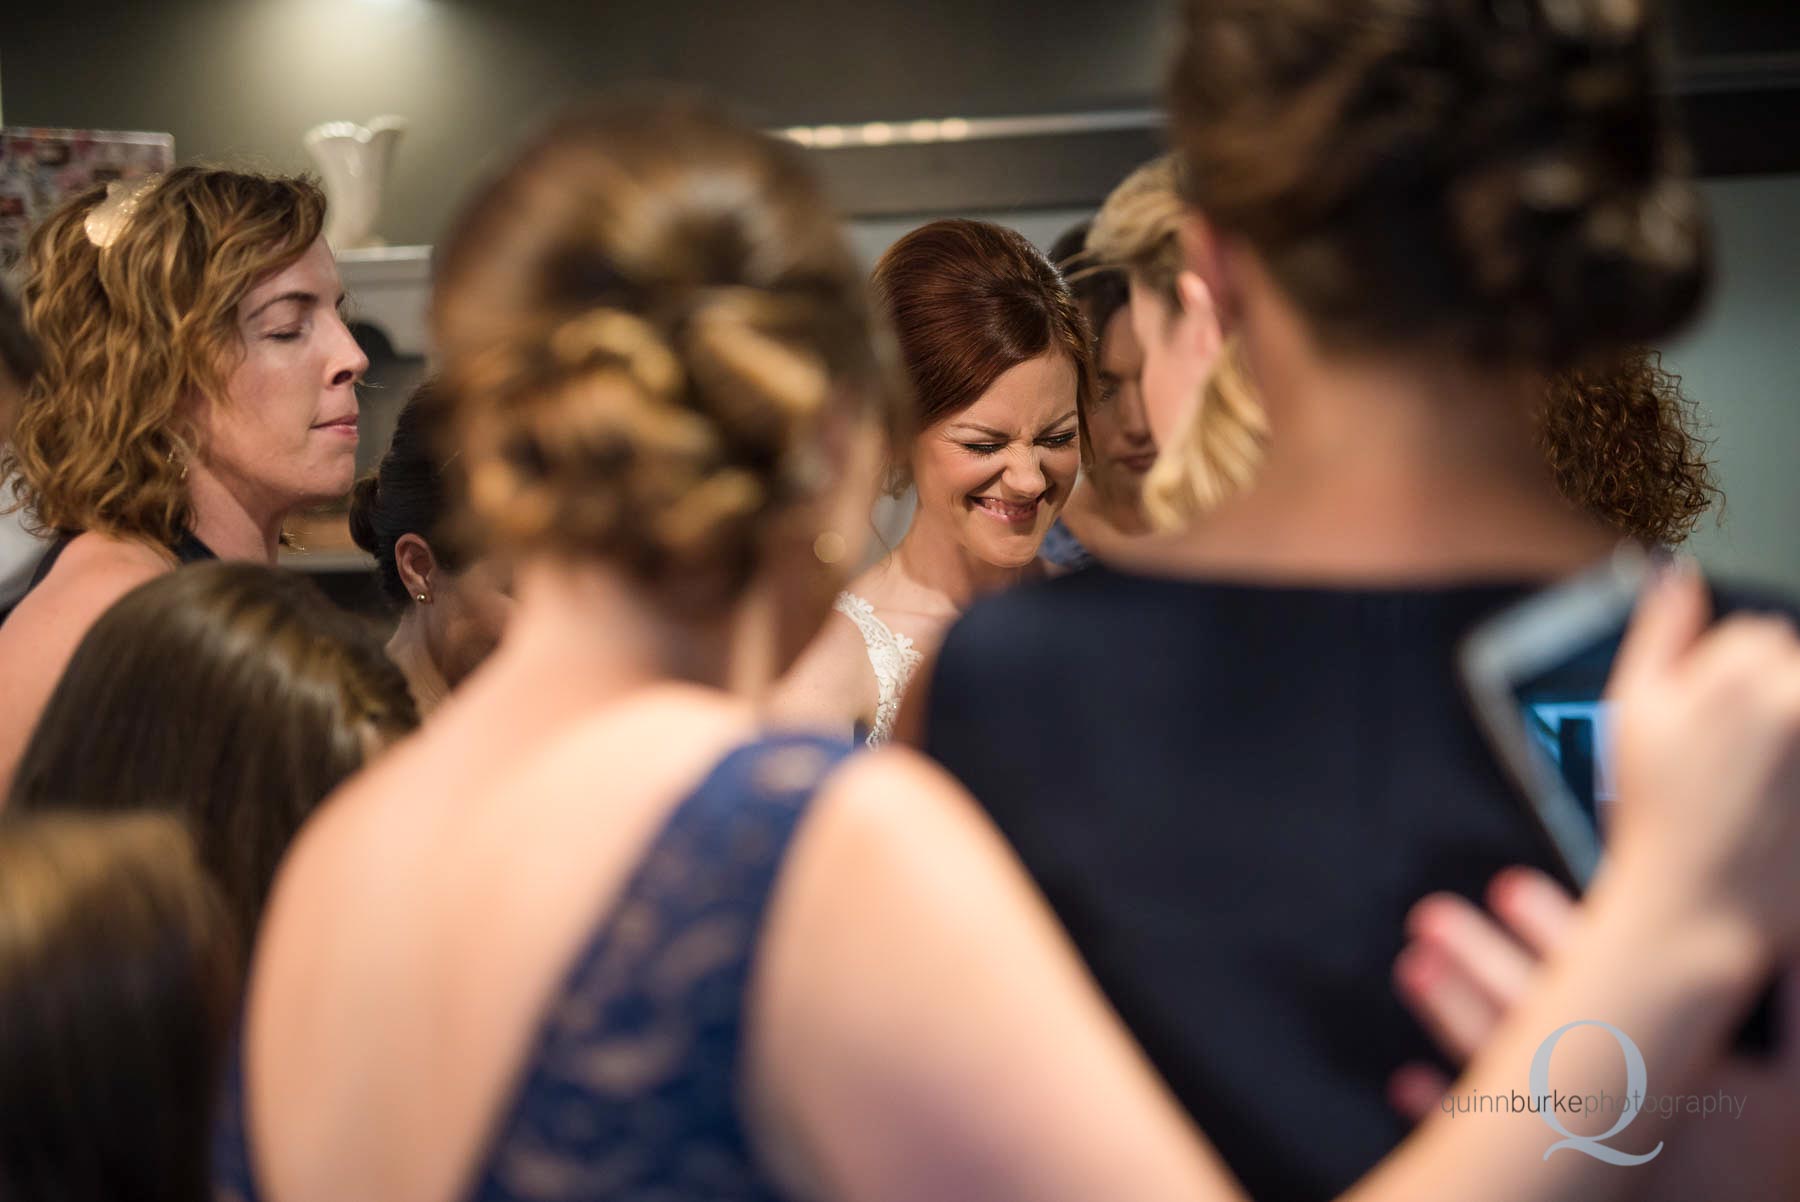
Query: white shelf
x,y
390,288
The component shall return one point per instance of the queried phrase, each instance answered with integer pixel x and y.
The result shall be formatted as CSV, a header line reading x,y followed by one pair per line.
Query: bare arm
x,y
922,1028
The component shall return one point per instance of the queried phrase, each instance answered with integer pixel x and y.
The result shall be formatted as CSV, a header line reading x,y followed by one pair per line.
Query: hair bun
x,y
365,504
1500,175
1575,217
646,322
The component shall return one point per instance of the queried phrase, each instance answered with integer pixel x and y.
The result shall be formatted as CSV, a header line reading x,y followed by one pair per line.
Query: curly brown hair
x,y
1626,445
648,322
130,335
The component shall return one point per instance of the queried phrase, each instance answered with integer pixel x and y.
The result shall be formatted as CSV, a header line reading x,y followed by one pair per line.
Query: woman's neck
x,y
582,635
945,576
1105,500
411,652
231,525
1384,468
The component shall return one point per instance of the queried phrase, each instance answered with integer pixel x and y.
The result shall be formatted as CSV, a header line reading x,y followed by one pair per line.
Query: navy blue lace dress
x,y
631,1091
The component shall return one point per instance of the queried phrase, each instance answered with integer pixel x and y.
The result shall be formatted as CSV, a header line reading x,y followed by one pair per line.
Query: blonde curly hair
x,y
130,334
648,322
1220,444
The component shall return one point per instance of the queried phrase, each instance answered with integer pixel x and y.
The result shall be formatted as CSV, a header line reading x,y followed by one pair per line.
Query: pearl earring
x,y
423,599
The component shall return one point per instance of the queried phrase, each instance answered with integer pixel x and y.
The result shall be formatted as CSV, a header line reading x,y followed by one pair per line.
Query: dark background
x,y
241,80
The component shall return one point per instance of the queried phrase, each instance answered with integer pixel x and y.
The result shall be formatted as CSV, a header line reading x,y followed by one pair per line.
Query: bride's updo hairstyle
x,y
1499,178
653,337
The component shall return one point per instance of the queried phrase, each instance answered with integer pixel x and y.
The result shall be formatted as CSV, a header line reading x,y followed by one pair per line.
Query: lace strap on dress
x,y
632,1090
893,657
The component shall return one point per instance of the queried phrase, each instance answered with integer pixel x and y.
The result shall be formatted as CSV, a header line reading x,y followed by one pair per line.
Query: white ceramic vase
x,y
354,161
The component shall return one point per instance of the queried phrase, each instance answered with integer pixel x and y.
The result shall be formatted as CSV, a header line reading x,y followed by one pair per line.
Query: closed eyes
x,y
293,334
1054,441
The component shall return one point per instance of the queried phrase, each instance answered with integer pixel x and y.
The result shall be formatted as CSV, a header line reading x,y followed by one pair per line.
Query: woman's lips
x,y
1139,463
344,427
1004,511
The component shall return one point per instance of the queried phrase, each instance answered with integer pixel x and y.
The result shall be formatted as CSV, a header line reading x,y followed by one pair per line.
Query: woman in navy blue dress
x,y
1235,757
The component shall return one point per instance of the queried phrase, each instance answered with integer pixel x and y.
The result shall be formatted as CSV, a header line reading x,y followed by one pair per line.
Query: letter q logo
x,y
1636,1076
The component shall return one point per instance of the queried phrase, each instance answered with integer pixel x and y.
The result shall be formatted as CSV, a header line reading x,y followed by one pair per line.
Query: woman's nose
x,y
350,362
1025,474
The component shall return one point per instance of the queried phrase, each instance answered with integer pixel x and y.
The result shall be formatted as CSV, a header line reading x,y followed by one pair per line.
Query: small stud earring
x,y
423,599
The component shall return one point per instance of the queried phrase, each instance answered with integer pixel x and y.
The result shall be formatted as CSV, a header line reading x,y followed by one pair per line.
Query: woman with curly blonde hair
x,y
197,386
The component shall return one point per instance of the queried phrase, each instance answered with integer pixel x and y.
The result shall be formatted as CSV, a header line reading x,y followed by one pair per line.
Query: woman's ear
x,y
1204,253
1199,326
416,564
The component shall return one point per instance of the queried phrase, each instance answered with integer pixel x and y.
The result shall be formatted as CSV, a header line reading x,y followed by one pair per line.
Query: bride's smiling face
x,y
995,474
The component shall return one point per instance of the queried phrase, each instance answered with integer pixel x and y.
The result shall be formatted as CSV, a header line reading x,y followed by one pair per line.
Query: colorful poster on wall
x,y
38,167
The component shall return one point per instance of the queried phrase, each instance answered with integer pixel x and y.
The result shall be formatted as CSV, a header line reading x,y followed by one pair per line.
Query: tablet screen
x,y
1569,725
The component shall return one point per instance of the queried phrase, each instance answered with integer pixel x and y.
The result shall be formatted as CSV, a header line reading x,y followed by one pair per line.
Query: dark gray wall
x,y
243,79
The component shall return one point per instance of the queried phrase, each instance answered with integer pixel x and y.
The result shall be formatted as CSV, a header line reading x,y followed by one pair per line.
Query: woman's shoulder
x,y
832,681
103,567
90,574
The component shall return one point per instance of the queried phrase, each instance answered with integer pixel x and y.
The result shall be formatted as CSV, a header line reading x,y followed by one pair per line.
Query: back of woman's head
x,y
1501,180
409,492
132,291
118,985
232,693
969,301
651,325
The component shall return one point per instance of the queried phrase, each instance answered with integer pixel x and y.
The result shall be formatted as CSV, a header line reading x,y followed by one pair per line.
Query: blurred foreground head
x,y
659,355
118,989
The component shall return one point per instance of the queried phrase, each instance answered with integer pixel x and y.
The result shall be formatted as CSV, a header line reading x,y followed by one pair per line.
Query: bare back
x,y
423,921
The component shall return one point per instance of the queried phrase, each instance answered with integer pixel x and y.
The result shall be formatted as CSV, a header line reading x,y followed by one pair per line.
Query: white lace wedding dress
x,y
892,656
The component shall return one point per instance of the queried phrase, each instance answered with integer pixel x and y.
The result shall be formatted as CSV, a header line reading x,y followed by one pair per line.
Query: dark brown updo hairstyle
x,y
118,990
233,694
1626,445
969,301
653,332
407,493
1497,178
1099,291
